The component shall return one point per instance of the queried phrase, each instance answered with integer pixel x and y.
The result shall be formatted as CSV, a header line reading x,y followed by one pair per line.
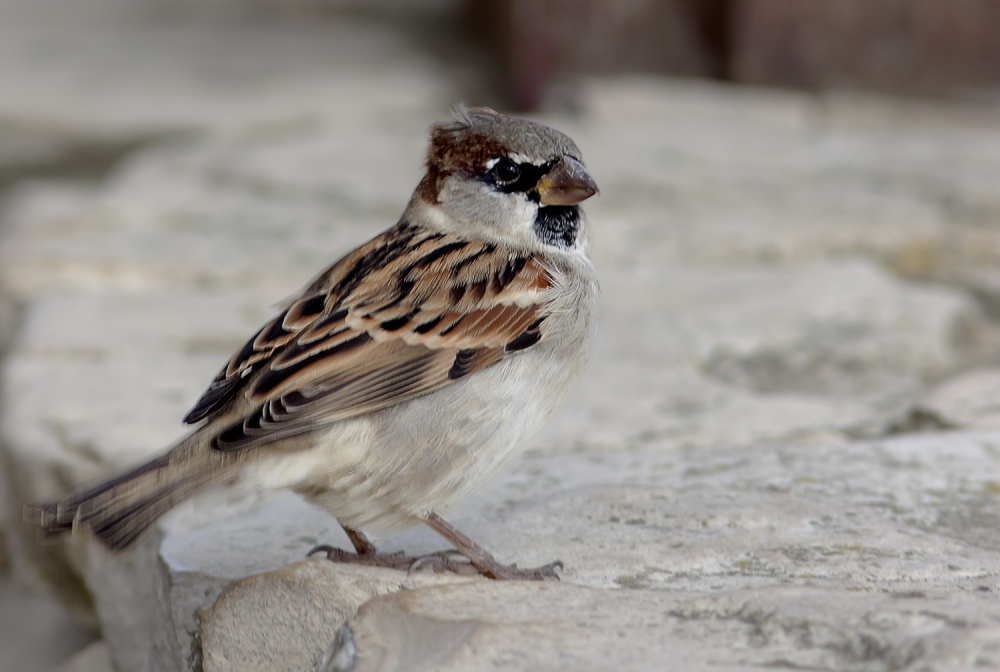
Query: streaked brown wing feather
x,y
405,314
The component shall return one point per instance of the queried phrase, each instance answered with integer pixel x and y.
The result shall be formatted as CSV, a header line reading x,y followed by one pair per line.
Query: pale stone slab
x,y
912,512
491,626
694,356
36,633
284,620
722,175
127,69
970,400
94,658
215,562
7,325
704,367
907,515
691,174
195,216
984,284
711,358
147,600
99,382
738,352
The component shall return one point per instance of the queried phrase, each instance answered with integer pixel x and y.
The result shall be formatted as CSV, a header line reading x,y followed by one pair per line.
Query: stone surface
x,y
715,176
147,600
68,402
757,253
223,581
971,400
898,514
691,174
907,516
36,633
738,355
284,620
94,658
984,284
712,358
113,69
210,214
7,324
561,627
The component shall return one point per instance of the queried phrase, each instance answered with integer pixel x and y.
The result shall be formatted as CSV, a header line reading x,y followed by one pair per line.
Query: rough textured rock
x,y
912,512
971,400
738,355
7,323
690,174
223,581
148,600
753,329
210,214
94,658
100,80
36,633
831,348
283,620
713,175
68,423
901,516
560,627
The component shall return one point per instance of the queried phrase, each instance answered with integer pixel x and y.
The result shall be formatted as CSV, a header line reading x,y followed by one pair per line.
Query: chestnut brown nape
x,y
480,127
479,134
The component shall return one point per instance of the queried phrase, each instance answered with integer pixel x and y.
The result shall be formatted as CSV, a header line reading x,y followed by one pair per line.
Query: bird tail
x,y
118,511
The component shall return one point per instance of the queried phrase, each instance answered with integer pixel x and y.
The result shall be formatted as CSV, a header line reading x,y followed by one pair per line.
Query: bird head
x,y
506,180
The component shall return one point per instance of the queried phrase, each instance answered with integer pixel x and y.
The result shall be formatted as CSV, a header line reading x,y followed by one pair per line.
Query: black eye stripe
x,y
527,179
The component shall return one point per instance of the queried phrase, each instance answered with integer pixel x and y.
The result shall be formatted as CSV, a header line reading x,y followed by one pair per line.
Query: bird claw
x,y
513,573
439,563
372,559
332,553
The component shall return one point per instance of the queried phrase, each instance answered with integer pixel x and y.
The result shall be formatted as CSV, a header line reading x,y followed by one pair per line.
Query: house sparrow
x,y
398,381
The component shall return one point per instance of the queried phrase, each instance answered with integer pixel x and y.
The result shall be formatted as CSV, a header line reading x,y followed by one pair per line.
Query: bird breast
x,y
381,470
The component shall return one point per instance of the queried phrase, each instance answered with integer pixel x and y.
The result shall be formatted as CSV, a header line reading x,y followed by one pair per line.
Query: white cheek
x,y
526,211
519,215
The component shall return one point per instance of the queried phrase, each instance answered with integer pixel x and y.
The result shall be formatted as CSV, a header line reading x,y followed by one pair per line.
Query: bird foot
x,y
470,559
443,561
513,573
440,562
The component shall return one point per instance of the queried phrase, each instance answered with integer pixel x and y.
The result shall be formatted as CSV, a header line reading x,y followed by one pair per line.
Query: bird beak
x,y
568,183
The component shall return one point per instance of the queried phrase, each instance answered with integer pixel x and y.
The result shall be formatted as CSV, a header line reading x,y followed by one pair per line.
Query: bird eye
x,y
506,171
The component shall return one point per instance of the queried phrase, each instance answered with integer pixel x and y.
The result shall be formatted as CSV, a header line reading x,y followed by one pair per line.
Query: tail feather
x,y
118,511
121,529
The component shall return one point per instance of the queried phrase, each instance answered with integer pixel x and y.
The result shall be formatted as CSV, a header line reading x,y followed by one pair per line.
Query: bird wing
x,y
407,313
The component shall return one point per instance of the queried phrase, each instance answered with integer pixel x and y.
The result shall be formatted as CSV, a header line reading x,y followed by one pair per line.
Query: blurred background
x,y
798,231
925,47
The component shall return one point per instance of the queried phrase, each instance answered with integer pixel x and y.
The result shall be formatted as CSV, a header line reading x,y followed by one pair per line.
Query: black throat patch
x,y
558,225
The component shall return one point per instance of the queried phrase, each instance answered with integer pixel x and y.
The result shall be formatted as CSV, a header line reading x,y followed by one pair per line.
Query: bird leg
x,y
485,563
480,561
368,554
360,542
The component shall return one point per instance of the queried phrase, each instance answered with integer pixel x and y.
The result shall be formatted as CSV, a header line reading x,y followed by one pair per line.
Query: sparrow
x,y
397,383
